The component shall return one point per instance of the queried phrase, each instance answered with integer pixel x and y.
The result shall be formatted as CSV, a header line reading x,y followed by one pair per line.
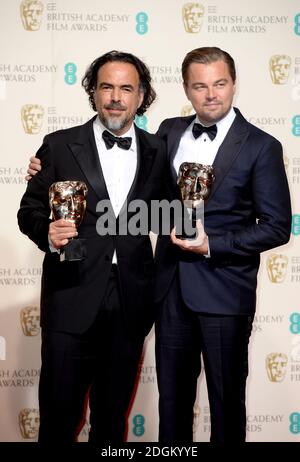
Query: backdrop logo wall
x,y
20,276
227,21
141,23
295,323
192,17
263,321
295,268
141,122
201,422
18,378
296,224
276,365
196,419
2,348
296,125
25,73
31,14
32,118
60,121
257,422
83,21
138,428
279,66
277,267
30,320
12,176
297,24
29,421
147,374
70,73
295,354
286,162
267,121
295,423
187,110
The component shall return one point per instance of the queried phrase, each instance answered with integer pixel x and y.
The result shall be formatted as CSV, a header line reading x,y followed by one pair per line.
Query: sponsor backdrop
x,y
46,47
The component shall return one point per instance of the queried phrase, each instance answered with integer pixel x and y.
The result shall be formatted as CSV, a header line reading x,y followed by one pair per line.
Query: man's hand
x,y
33,168
60,231
198,245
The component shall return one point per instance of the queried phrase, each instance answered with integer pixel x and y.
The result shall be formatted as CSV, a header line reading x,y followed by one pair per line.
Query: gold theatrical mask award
x,y
194,181
68,201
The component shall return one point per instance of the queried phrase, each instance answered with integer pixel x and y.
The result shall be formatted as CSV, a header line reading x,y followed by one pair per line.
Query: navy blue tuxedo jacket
x,y
248,212
72,292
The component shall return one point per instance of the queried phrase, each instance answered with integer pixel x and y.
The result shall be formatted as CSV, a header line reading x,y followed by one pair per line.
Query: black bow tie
x,y
110,140
199,129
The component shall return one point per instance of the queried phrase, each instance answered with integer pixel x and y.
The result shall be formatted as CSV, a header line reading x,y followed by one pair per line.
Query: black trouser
x,y
104,360
181,337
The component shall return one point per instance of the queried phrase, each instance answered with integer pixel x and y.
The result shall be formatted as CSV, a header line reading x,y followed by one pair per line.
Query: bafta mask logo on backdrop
x,y
276,364
286,161
192,16
31,14
196,419
32,118
29,421
30,321
279,66
187,110
2,348
277,267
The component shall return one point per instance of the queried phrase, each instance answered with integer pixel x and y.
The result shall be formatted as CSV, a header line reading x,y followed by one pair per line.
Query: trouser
x,y
181,337
104,360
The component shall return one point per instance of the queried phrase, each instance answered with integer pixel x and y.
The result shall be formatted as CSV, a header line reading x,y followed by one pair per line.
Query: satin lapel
x,y
86,155
229,150
145,158
174,138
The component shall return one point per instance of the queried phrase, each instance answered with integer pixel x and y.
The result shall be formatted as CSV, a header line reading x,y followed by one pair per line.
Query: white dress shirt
x,y
118,166
202,150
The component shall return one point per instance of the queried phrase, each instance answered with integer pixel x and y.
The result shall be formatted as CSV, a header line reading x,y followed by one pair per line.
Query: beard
x,y
115,123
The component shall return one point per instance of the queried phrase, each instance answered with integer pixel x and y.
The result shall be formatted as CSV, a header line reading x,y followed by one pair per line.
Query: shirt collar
x,y
99,129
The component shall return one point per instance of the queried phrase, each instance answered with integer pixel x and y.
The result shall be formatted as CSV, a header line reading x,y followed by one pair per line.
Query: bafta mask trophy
x,y
194,181
68,201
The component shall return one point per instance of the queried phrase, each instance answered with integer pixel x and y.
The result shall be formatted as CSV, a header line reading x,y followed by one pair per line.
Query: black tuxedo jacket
x,y
247,213
72,292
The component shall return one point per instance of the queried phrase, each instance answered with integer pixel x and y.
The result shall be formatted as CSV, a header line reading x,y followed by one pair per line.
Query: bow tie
x,y
199,129
110,140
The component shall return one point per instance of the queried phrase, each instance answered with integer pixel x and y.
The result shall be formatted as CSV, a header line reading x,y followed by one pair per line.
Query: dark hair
x,y
89,80
207,55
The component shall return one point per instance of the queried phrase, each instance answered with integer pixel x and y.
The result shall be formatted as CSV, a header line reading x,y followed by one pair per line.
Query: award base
x,y
74,251
189,230
188,225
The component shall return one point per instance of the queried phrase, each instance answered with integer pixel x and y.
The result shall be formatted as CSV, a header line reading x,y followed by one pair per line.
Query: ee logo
x,y
138,425
142,121
141,23
295,422
295,323
297,24
296,125
70,73
296,225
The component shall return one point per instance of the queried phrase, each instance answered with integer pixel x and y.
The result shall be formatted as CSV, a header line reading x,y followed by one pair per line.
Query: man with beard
x,y
95,313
